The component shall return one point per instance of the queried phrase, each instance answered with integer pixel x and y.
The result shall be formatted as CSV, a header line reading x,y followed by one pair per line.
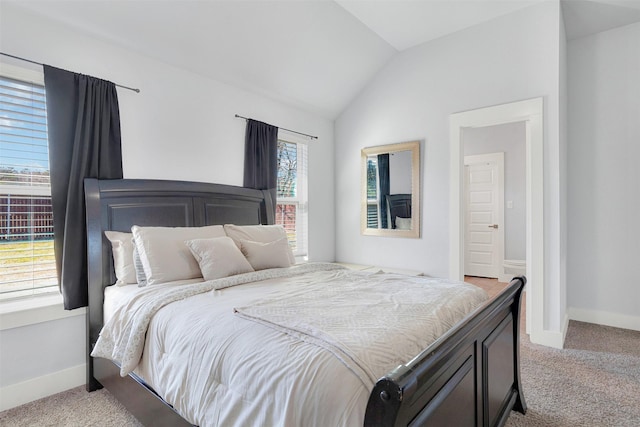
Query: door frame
x,y
531,113
484,158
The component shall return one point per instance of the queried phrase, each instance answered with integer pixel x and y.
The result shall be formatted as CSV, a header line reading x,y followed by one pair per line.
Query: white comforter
x,y
304,348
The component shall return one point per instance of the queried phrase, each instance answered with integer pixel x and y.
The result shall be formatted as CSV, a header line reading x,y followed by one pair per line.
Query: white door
x,y
484,231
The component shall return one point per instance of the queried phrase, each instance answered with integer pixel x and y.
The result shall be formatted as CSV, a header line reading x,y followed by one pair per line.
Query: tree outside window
x,y
291,210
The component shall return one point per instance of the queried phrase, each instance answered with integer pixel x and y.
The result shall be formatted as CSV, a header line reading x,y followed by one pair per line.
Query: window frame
x,y
301,200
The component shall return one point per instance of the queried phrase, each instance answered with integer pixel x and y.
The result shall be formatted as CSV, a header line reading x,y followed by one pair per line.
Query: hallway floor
x,y
492,286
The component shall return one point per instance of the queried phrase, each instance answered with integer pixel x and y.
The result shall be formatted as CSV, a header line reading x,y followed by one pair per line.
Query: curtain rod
x,y
39,63
288,130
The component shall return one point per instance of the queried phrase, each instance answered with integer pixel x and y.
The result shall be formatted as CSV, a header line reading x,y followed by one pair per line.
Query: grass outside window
x,y
27,268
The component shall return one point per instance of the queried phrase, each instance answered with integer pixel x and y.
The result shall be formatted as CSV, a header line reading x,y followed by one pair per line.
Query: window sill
x,y
37,309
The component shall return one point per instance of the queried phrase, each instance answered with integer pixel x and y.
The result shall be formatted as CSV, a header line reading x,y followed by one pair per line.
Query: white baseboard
x,y
565,326
36,388
548,338
606,318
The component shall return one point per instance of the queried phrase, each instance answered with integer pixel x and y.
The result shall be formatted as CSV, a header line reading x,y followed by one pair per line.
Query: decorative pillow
x,y
267,255
403,223
258,233
164,255
218,257
141,278
122,250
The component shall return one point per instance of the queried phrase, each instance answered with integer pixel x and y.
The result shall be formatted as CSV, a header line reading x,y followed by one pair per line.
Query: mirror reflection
x,y
390,190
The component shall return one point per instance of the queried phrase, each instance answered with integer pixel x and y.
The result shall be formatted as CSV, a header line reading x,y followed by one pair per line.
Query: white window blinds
x,y
26,222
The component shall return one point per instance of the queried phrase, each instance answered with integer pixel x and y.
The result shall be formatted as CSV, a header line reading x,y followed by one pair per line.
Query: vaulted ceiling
x,y
315,55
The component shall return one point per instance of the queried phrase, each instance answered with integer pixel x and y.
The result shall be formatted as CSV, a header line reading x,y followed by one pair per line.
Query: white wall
x,y
511,58
28,360
42,358
181,126
603,178
509,139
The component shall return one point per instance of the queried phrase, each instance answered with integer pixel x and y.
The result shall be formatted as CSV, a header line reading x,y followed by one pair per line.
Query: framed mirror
x,y
390,201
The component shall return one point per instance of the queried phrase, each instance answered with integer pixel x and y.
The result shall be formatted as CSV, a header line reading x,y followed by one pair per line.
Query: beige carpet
x,y
72,408
594,381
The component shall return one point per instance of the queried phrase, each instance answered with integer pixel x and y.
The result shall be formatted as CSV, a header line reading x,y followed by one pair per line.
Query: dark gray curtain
x,y
385,188
83,121
261,157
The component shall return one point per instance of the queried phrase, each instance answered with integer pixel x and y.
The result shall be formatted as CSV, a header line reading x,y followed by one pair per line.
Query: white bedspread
x,y
220,369
353,317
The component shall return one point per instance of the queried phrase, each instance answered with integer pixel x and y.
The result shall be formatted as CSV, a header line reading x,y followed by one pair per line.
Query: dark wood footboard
x,y
468,377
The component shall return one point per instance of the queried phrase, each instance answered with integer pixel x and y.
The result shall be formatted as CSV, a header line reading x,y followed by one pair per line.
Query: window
x,y
291,207
372,192
26,223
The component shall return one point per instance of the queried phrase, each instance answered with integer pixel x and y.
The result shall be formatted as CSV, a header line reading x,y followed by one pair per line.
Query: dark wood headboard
x,y
398,205
119,204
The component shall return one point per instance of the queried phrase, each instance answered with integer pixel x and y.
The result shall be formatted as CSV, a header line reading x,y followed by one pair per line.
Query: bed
x,y
467,376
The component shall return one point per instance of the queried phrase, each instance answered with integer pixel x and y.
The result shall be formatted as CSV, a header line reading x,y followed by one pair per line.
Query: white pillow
x,y
258,233
164,255
403,223
267,255
122,250
218,257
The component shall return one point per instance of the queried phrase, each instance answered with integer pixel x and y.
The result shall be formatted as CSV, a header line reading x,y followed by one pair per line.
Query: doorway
x,y
484,215
531,113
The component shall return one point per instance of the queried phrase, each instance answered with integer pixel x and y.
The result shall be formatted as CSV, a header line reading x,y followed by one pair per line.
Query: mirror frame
x,y
414,147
